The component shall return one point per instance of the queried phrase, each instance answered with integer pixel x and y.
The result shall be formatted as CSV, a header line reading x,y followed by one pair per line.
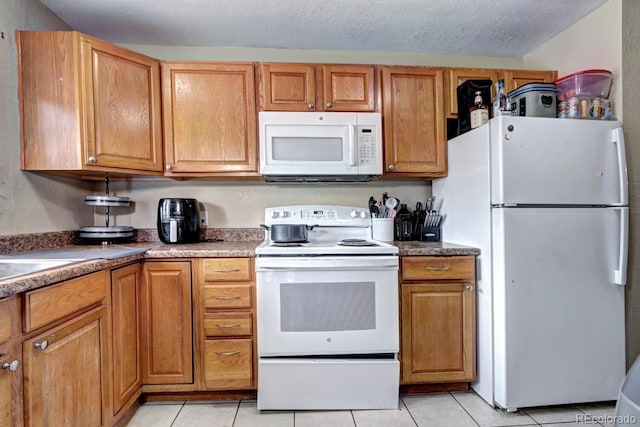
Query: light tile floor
x,y
458,409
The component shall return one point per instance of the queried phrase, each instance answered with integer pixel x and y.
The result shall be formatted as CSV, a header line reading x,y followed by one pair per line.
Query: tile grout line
x,y
409,411
235,416
464,409
178,414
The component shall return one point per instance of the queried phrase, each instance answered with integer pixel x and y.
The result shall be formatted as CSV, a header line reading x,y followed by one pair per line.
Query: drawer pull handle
x,y
235,325
227,353
227,298
469,287
41,345
13,366
232,270
438,268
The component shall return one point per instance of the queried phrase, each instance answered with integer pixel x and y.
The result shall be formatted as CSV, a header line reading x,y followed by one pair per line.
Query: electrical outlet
x,y
204,219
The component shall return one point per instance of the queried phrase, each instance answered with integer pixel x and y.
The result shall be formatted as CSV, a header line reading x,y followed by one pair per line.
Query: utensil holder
x,y
430,234
382,229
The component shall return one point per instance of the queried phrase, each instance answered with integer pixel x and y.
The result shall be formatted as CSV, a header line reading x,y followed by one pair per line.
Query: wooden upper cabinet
x,y
315,87
209,119
413,121
348,87
87,107
456,76
287,87
513,79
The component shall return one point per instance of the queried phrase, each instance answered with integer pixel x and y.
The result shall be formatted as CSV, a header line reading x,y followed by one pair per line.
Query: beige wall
x,y
609,38
592,43
29,203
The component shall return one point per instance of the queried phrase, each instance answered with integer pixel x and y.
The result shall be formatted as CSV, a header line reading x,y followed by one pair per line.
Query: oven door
x,y
327,305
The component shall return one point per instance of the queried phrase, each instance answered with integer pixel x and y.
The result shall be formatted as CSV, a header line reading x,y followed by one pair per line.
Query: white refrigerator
x,y
546,202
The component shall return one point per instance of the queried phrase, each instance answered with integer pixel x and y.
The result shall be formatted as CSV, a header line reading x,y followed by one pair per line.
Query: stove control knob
x,y
284,214
354,213
274,214
363,214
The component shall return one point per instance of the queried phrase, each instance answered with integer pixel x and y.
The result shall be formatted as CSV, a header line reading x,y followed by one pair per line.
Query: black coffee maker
x,y
179,220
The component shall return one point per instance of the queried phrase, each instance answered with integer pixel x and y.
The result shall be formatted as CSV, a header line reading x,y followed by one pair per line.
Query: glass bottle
x,y
500,104
479,112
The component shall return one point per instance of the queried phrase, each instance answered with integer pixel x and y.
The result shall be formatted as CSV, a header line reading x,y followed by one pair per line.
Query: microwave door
x,y
309,149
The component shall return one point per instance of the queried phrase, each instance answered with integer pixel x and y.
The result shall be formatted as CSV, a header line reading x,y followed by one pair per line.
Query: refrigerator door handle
x,y
620,275
618,139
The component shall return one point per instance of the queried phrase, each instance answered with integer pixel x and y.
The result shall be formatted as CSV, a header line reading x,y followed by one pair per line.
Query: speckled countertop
x,y
197,250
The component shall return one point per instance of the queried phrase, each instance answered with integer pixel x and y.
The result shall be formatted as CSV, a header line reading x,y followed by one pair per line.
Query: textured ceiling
x,y
460,27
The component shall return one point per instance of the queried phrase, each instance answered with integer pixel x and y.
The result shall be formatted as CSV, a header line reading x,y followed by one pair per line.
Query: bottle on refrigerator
x,y
500,104
479,112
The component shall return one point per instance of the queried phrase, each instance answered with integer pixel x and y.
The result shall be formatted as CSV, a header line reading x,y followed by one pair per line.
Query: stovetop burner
x,y
356,242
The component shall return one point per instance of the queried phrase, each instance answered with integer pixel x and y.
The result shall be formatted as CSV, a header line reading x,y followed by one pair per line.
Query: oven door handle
x,y
334,263
328,267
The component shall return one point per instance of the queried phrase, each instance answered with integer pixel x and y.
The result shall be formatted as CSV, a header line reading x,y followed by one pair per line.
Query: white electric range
x,y
327,309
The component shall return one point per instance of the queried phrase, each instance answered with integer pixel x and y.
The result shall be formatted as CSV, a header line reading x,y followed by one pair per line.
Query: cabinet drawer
x,y
438,267
226,269
45,305
227,296
224,325
228,364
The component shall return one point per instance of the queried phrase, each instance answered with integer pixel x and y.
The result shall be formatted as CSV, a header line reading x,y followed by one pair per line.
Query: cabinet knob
x,y
312,105
469,287
13,366
92,159
391,167
168,167
41,345
329,104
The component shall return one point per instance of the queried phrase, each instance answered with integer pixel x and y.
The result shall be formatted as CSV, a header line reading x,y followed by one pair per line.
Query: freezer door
x,y
559,333
550,161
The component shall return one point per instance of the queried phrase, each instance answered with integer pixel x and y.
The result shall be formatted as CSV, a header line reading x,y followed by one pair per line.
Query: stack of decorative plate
x,y
106,233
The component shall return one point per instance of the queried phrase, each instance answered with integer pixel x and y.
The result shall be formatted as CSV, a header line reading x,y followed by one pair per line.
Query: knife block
x,y
430,234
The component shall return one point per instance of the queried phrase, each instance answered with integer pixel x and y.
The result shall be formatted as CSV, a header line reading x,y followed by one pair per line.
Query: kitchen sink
x,y
13,267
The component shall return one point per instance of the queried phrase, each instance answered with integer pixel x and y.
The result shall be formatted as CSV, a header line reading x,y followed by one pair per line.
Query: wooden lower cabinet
x,y
125,335
166,316
226,317
438,320
10,363
10,385
63,373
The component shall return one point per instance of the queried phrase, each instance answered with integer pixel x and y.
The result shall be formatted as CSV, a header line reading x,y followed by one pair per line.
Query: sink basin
x,y
17,267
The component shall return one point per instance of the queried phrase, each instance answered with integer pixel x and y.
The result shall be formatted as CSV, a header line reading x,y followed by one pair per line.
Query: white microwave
x,y
312,146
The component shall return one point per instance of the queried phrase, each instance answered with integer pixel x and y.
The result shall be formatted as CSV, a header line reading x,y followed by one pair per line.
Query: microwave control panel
x,y
366,145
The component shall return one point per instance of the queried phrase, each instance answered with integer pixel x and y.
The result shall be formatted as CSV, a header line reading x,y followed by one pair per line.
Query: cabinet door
x,y
122,107
209,118
63,373
10,385
414,133
287,87
349,87
125,321
513,79
457,76
167,341
438,332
